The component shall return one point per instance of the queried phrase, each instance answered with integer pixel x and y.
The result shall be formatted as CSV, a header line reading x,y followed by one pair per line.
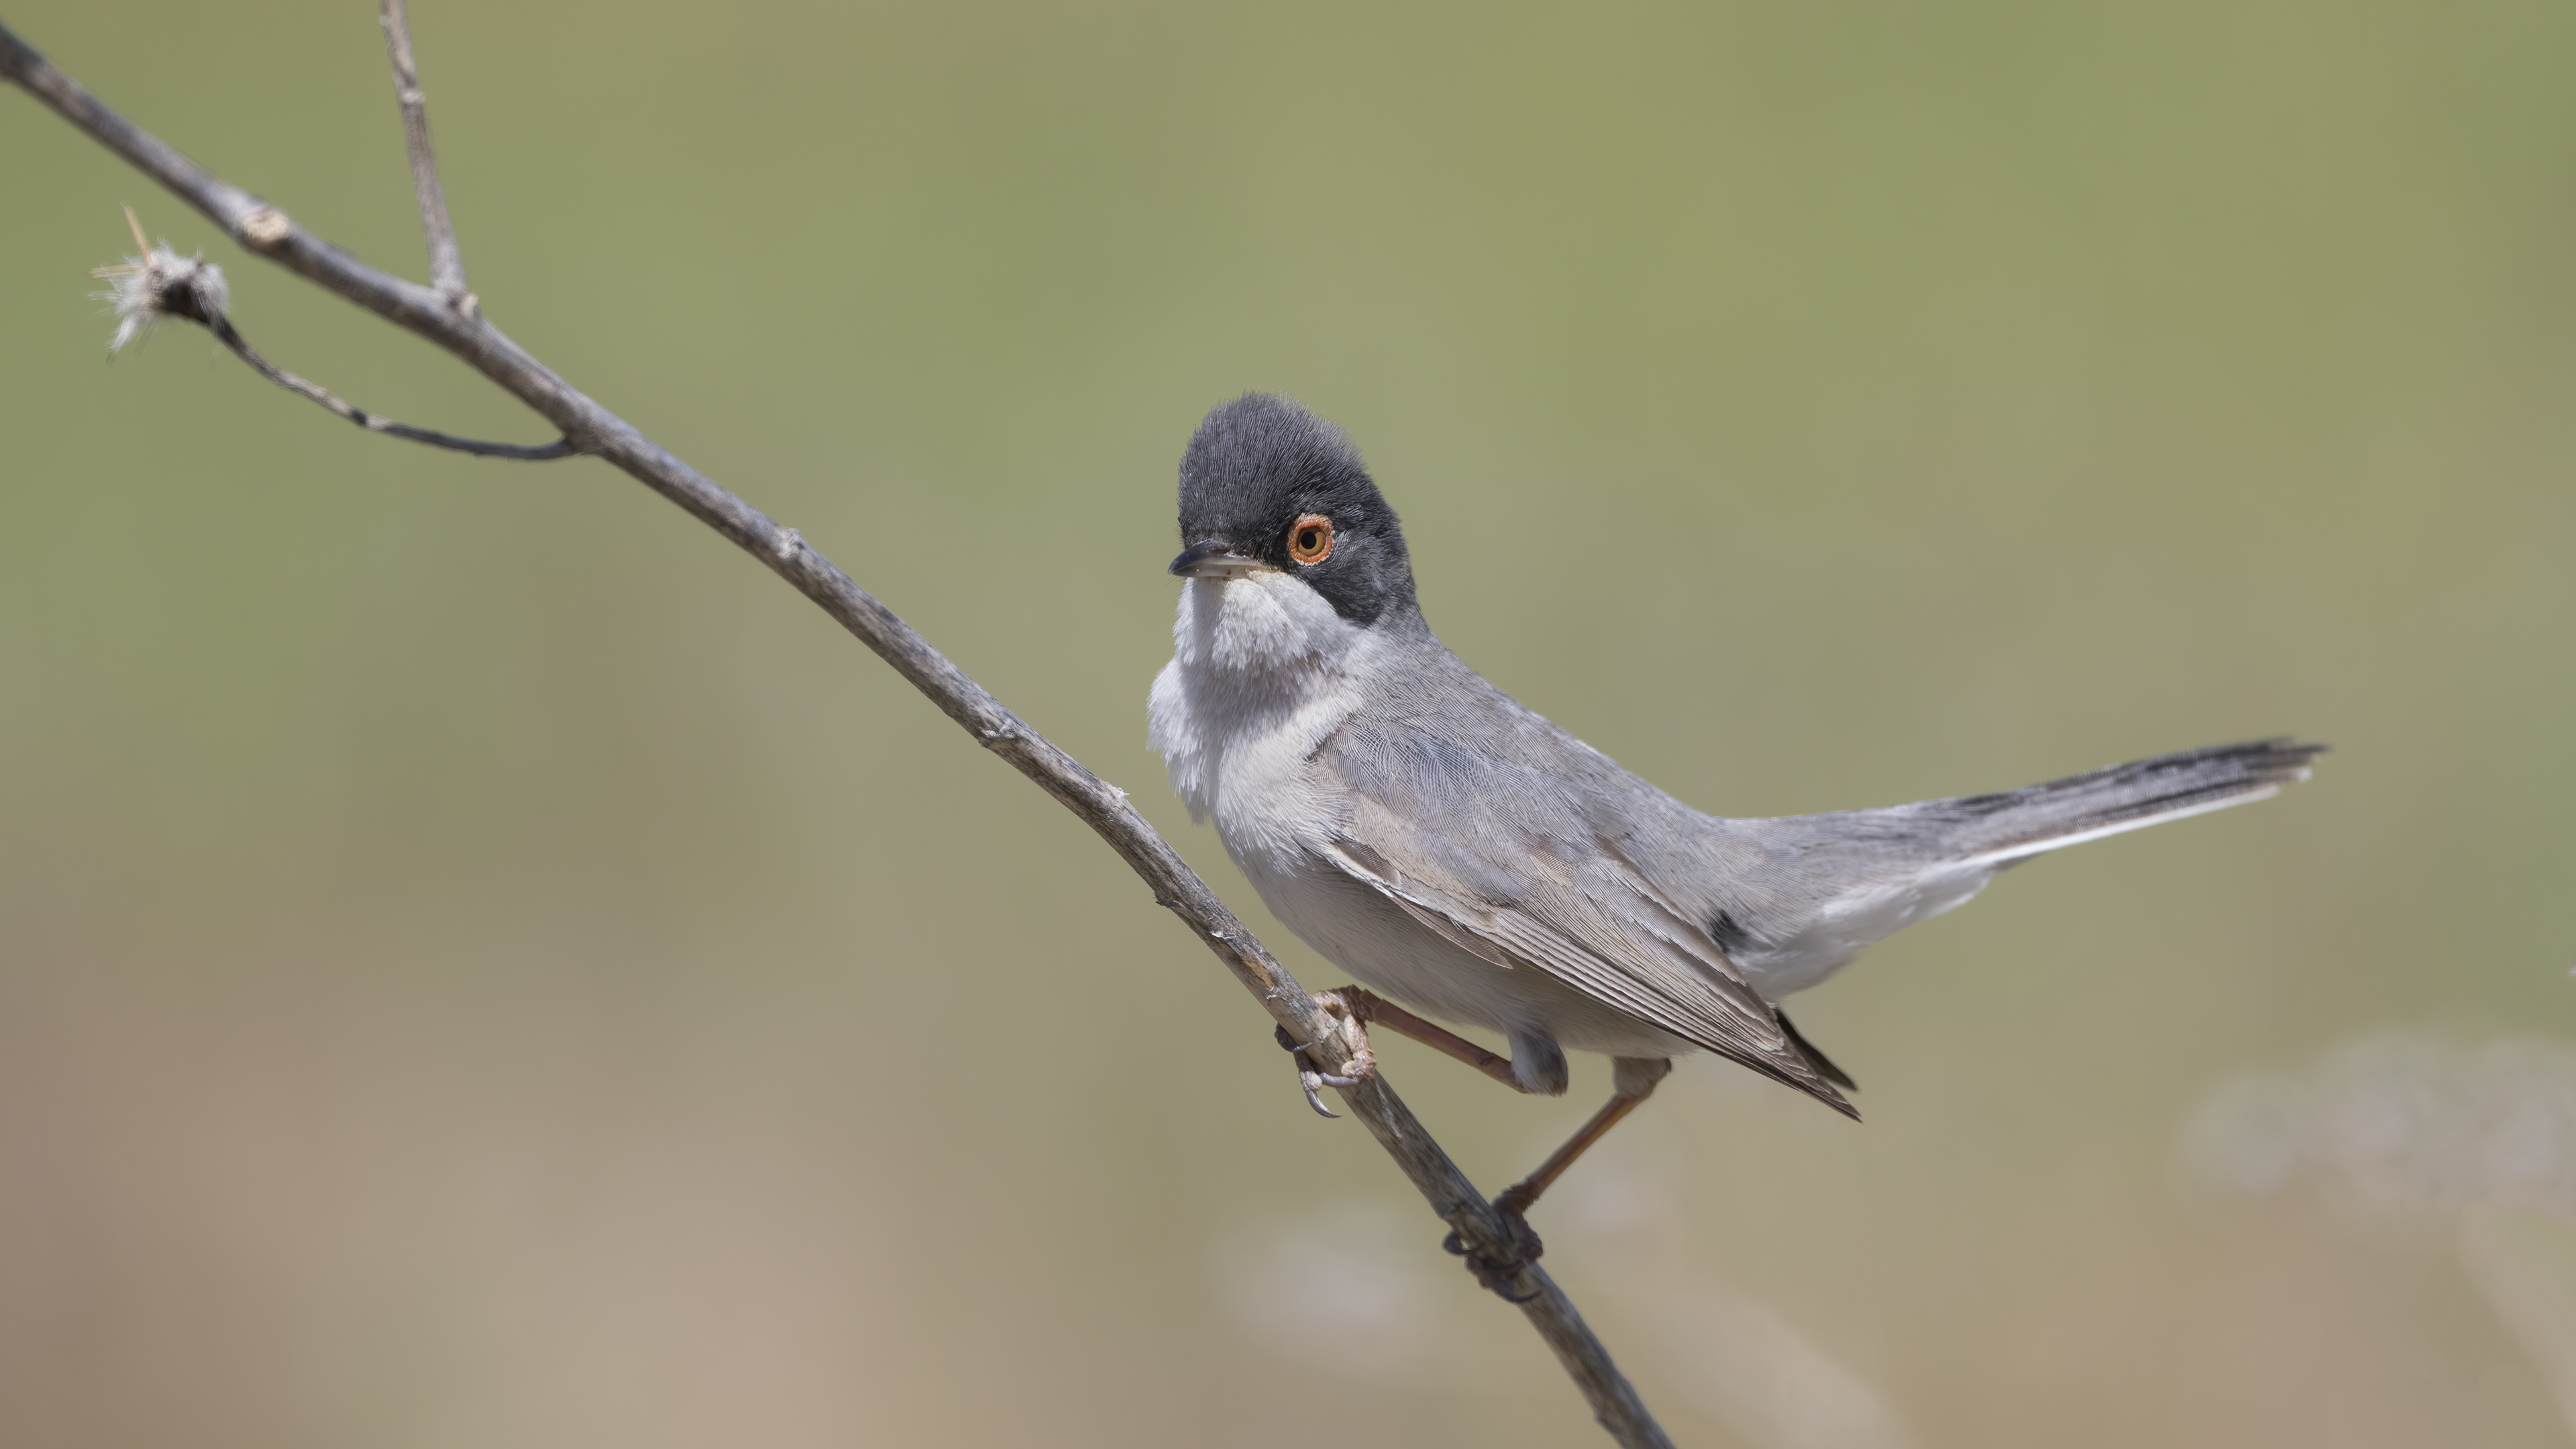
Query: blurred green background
x,y
481,963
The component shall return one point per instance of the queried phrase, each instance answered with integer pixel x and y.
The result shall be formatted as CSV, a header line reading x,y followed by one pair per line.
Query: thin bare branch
x,y
1104,807
446,263
231,337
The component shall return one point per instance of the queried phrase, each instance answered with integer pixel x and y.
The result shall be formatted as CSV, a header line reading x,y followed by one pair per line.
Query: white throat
x,y
1259,661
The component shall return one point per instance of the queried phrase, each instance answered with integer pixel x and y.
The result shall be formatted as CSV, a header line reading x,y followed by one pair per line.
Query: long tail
x,y
2001,828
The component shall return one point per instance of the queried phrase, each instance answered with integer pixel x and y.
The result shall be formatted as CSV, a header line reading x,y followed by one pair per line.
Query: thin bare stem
x,y
231,337
446,263
1102,806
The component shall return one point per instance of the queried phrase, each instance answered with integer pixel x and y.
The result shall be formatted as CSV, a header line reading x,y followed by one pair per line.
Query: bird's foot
x,y
1502,1274
1349,1022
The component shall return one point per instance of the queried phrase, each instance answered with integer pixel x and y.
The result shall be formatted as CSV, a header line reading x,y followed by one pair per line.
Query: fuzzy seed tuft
x,y
160,283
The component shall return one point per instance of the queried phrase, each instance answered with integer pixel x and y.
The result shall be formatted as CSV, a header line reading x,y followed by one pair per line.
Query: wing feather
x,y
1498,859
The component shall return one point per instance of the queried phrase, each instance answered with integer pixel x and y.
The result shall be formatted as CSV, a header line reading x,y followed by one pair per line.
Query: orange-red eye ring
x,y
1310,539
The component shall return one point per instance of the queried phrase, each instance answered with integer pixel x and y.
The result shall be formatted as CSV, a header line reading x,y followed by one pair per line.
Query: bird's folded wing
x,y
1498,859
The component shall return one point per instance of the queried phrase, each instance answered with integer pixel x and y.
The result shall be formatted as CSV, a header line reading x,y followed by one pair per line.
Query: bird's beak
x,y
1211,559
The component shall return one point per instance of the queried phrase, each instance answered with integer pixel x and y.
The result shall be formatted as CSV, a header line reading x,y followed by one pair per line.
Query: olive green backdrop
x,y
481,963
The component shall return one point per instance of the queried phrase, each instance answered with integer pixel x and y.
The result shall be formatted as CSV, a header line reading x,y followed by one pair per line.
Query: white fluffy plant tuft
x,y
160,283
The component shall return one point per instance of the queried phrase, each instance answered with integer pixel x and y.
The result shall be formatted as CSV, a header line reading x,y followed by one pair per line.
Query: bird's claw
x,y
1311,1077
1503,1276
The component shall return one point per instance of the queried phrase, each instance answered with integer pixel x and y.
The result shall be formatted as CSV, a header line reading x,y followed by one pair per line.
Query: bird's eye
x,y
1310,539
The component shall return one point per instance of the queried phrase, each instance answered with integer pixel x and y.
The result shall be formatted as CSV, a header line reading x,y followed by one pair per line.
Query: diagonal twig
x,y
230,336
591,428
446,263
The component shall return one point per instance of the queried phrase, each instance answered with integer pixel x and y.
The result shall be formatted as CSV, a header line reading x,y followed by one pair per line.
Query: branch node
x,y
789,543
266,229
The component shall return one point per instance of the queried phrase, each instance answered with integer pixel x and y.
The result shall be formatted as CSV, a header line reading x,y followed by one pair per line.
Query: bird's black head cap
x,y
1260,464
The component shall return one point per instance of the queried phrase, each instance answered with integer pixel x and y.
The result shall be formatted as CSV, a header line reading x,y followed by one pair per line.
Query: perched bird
x,y
1453,850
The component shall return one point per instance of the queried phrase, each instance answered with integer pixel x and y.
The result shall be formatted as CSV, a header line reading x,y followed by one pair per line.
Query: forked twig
x,y
159,283
439,316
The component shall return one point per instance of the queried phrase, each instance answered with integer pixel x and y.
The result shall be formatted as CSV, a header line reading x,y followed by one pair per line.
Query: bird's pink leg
x,y
1370,1009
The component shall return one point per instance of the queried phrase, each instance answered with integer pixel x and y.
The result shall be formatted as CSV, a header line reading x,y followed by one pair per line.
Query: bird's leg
x,y
1370,1009
1360,1009
1633,1080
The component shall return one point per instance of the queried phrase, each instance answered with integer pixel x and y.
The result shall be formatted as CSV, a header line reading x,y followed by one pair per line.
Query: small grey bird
x,y
1450,848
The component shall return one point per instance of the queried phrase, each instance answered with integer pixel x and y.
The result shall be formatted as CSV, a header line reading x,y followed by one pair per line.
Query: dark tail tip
x,y
1823,1064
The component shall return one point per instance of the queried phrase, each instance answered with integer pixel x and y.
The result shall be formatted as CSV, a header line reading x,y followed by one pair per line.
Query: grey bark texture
x,y
444,315
322,397
446,263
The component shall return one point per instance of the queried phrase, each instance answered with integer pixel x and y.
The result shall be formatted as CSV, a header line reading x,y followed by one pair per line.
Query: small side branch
x,y
231,337
446,263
